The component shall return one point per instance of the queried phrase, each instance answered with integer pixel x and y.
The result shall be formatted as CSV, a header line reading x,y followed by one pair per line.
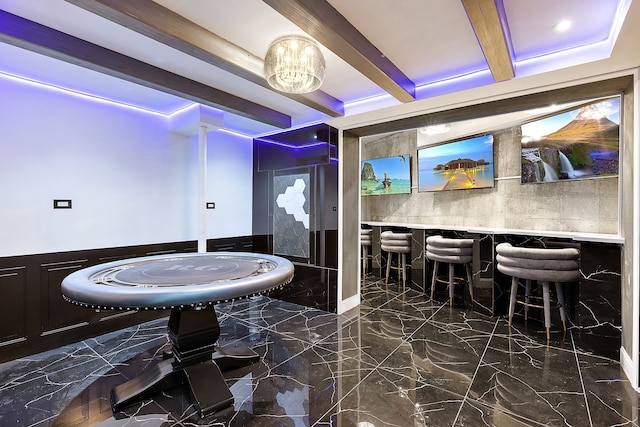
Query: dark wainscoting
x,y
313,285
33,315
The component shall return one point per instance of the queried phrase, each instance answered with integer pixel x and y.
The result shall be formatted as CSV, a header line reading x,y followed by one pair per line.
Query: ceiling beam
x,y
325,24
492,32
165,26
32,36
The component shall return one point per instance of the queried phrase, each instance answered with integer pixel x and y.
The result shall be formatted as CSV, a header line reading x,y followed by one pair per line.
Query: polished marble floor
x,y
397,360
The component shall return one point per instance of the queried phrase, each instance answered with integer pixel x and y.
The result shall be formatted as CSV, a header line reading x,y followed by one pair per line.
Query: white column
x,y
633,372
199,119
202,190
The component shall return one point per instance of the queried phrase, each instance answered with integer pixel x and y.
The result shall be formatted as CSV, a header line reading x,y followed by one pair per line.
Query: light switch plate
x,y
61,203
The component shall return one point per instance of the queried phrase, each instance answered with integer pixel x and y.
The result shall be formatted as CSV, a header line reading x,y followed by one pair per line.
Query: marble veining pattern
x,y
399,359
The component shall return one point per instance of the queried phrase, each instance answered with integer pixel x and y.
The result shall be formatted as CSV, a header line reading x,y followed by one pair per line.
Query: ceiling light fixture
x,y
436,129
294,64
562,26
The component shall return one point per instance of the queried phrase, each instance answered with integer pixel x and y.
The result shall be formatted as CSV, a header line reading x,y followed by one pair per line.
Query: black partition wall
x,y
295,209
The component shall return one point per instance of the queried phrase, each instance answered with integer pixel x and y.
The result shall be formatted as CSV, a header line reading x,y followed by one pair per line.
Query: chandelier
x,y
294,64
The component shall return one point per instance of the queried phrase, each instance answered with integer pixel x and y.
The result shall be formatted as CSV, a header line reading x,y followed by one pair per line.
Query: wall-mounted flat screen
x,y
386,175
580,143
457,165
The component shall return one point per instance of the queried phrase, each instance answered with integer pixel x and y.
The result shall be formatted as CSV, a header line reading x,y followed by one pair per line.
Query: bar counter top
x,y
580,237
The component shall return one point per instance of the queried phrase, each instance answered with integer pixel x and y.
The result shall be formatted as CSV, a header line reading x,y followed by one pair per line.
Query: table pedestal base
x,y
196,362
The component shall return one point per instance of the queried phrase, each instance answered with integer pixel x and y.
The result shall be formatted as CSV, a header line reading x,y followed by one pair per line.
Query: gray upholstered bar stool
x,y
544,265
451,251
365,242
399,244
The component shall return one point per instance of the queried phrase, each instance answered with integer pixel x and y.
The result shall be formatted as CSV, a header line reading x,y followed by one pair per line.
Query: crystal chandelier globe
x,y
294,64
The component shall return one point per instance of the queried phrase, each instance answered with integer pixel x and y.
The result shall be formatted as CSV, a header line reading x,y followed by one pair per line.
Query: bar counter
x,y
593,304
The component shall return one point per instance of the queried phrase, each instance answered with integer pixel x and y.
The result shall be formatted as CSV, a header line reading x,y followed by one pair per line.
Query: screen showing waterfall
x,y
581,141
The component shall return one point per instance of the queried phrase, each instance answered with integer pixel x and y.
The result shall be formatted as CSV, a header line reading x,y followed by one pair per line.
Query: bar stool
x,y
450,251
542,265
400,244
365,242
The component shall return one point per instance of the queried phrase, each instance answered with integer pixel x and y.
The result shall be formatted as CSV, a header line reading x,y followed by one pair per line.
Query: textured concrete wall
x,y
349,226
629,289
585,206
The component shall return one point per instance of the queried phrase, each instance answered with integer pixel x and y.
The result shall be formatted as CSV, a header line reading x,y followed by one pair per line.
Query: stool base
x,y
546,298
402,269
451,280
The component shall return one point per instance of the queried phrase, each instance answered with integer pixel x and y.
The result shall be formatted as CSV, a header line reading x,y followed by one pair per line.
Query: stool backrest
x,y
365,236
395,242
456,251
542,264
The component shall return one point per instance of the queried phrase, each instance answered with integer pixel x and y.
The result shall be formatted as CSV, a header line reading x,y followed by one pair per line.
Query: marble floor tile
x,y
608,392
399,359
394,398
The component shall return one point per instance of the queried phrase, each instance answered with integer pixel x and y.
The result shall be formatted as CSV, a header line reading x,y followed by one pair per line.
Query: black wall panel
x,y
57,314
13,304
312,151
34,316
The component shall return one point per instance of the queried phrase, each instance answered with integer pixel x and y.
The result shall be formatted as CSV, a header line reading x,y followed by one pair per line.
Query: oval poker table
x,y
190,285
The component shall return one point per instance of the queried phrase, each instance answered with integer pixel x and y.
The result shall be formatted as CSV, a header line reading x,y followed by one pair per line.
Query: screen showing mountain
x,y
579,143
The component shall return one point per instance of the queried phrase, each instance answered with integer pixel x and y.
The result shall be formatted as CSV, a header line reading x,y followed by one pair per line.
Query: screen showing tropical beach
x,y
581,143
457,165
386,175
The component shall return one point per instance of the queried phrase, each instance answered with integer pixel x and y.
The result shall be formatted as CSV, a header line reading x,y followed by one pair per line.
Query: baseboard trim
x,y
349,303
629,369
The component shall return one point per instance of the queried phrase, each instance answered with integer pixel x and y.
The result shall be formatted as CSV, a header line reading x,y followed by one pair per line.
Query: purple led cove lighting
x,y
99,99
79,94
295,147
236,133
179,110
266,138
370,100
563,59
549,61
621,14
103,100
457,83
595,21
426,90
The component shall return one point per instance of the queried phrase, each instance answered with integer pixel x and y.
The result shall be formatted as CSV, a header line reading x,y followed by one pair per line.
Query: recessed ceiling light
x,y
563,25
436,129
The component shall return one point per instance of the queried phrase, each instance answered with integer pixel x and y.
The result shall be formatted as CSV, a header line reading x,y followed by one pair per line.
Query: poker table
x,y
189,285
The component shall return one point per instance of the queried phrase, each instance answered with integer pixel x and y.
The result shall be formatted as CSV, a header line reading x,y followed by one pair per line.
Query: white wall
x,y
230,184
131,181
